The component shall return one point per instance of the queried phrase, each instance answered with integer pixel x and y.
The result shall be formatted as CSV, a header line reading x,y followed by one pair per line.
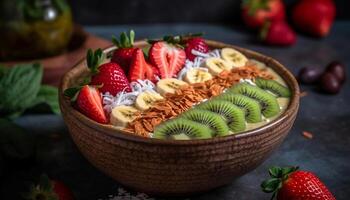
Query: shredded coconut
x,y
249,81
127,98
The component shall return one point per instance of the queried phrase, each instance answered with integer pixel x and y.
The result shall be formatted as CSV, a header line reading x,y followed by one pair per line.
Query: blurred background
x,y
112,12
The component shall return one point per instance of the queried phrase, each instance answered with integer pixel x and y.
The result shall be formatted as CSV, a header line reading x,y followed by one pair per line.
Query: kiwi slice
x,y
212,120
250,106
234,115
273,86
268,102
180,128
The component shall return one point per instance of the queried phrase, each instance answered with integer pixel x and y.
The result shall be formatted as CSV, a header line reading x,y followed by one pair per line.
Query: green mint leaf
x,y
19,88
45,183
48,95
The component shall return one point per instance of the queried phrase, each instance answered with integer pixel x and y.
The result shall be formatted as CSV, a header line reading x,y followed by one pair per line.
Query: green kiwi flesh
x,y
250,106
212,120
273,86
180,128
234,116
268,102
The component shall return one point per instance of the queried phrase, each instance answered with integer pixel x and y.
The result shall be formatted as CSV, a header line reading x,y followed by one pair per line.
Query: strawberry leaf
x,y
125,41
275,172
72,92
94,59
270,185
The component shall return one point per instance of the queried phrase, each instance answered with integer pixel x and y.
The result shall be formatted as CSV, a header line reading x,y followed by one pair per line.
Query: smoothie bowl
x,y
190,121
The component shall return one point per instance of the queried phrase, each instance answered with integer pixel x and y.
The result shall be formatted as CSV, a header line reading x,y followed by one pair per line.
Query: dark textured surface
x,y
161,11
327,117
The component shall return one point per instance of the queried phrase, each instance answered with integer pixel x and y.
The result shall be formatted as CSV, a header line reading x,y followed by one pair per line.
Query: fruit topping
x,y
168,58
140,69
197,75
89,102
197,44
182,129
145,100
110,76
122,115
124,52
278,33
217,65
169,85
256,12
273,87
236,58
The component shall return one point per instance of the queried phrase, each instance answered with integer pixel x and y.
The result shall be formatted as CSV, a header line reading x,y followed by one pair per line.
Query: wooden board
x,y
56,66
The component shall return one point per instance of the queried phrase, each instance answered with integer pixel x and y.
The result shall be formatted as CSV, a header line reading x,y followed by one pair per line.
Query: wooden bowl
x,y
170,167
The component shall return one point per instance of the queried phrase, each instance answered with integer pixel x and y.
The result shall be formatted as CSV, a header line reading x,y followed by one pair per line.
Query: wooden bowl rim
x,y
115,133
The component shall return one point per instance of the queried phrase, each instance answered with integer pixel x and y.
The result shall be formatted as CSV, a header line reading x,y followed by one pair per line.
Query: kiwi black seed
x,y
268,102
250,106
273,86
234,116
180,128
212,120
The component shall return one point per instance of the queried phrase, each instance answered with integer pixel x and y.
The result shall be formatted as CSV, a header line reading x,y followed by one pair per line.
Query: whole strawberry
x,y
110,76
88,101
256,12
314,17
289,183
197,44
48,189
278,33
123,54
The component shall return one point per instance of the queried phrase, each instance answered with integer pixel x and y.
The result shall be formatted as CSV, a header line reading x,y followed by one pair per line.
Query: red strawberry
x,y
123,54
278,33
89,103
168,58
292,184
256,12
140,69
50,190
197,44
314,17
110,76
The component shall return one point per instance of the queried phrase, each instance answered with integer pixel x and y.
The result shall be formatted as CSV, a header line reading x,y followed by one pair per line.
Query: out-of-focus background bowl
x,y
166,167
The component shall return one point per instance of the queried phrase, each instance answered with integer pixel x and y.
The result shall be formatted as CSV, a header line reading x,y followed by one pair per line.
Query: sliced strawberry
x,y
89,103
168,58
140,69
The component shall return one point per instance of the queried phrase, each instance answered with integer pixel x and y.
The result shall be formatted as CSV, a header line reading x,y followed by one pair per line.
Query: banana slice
x,y
217,65
233,56
196,75
169,85
122,115
146,99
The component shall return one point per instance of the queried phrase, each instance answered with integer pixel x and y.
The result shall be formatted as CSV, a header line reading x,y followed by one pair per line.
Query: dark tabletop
x,y
327,117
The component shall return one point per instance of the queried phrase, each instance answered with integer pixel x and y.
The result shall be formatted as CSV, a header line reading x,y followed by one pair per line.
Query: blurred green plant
x,y
21,89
